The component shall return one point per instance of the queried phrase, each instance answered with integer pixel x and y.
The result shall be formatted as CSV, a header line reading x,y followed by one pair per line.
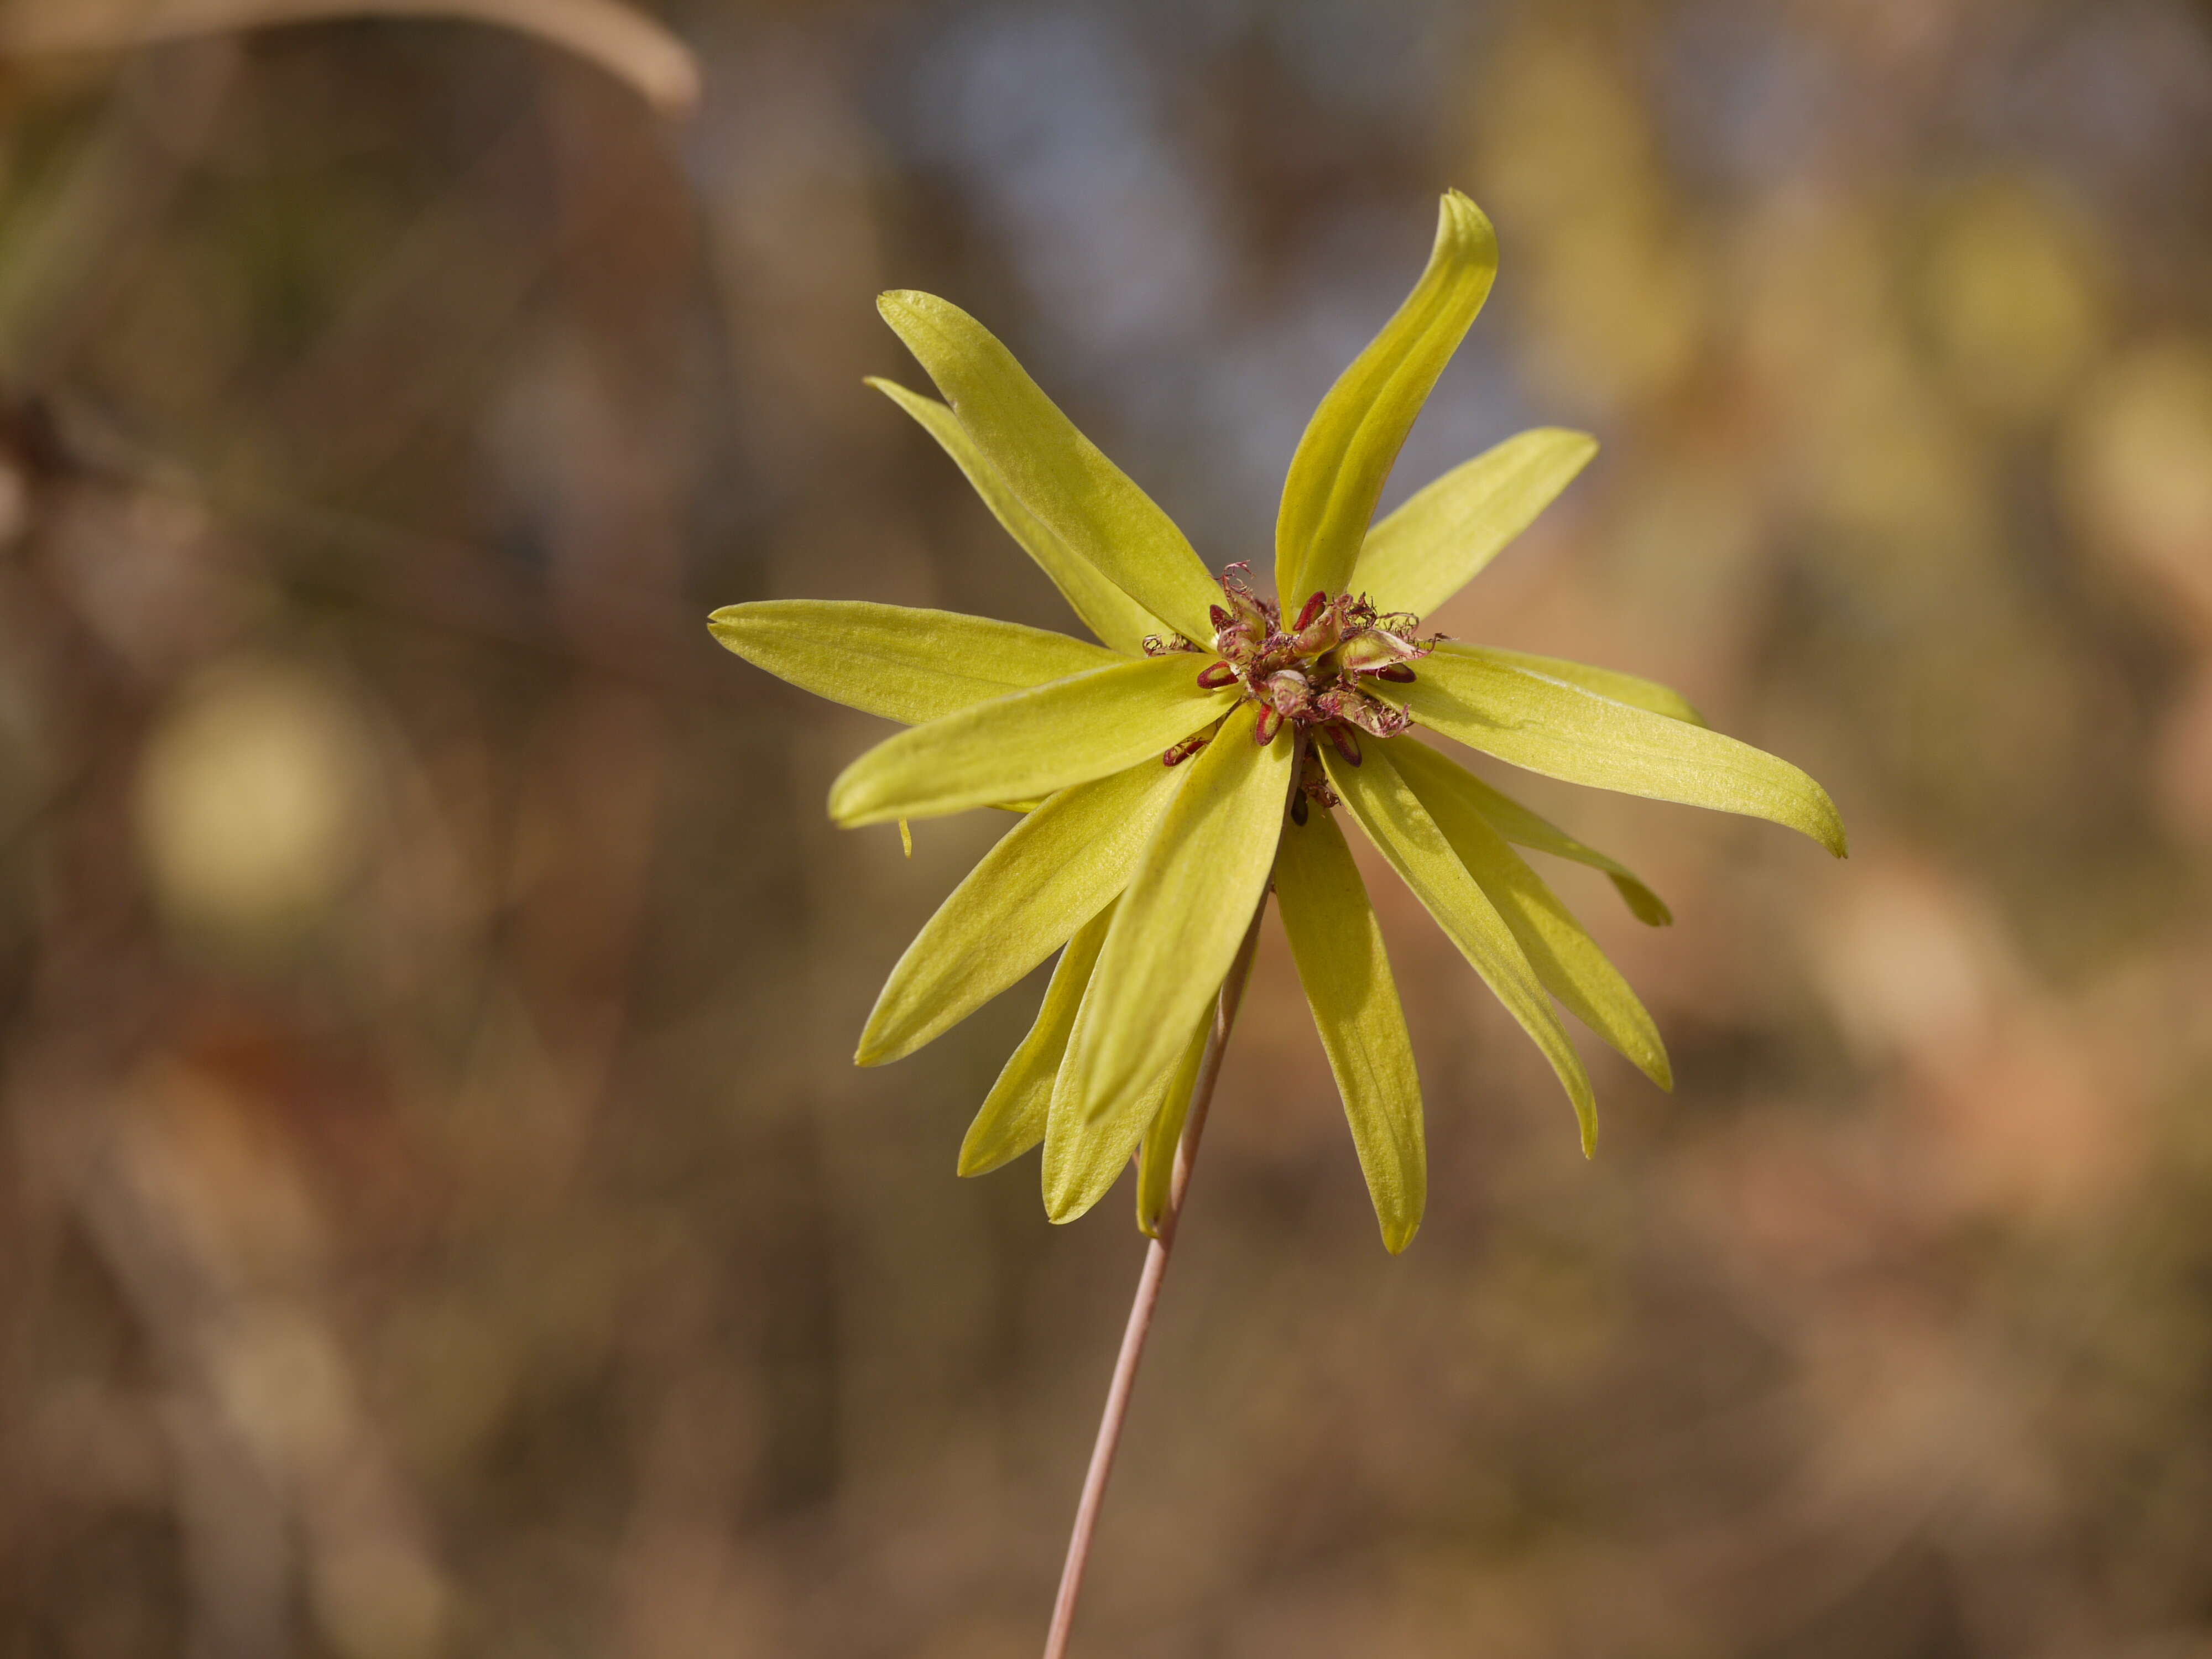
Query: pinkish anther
x,y
1183,750
1312,674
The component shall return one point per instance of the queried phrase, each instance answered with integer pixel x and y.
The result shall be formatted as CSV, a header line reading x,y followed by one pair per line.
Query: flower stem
x,y
1148,1296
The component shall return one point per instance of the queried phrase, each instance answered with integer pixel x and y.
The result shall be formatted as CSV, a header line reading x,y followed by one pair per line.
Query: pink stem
x,y
1148,1296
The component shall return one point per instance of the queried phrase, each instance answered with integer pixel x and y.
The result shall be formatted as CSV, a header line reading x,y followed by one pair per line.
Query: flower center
x,y
1312,673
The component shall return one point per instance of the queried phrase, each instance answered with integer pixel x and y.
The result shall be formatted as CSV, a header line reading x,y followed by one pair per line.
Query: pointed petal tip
x,y
1458,215
1396,1240
1061,1207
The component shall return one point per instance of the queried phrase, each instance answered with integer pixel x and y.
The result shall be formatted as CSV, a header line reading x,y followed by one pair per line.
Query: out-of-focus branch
x,y
624,42
75,244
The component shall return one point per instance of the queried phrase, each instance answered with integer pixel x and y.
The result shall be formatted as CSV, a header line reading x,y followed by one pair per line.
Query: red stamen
x,y
1299,811
1219,618
1347,745
1215,677
1183,750
1397,673
1313,607
1270,722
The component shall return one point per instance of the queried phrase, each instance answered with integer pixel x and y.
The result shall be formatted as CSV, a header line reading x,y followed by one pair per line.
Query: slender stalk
x,y
1148,1296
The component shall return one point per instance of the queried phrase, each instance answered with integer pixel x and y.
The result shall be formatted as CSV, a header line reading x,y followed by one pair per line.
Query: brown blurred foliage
x,y
437,1211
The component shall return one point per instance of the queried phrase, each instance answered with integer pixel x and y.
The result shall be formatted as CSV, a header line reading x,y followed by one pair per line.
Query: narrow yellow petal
x,y
1182,918
1048,876
1526,829
1565,958
1338,947
1108,613
1012,1117
1548,725
1631,688
1397,822
1437,541
1059,474
1084,1154
905,664
1337,475
1155,1155
1030,743
906,838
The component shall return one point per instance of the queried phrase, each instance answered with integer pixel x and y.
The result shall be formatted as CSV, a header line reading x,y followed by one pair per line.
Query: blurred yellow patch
x,y
251,803
2013,300
2138,466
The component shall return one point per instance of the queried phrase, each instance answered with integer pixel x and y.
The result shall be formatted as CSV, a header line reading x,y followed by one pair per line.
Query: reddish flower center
x,y
1313,673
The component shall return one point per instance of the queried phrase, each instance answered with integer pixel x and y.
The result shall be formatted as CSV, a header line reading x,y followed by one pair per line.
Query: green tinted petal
x,y
1058,473
1566,958
1631,688
1397,822
1436,543
1182,919
1338,947
1547,724
905,664
1048,876
1012,1117
1084,1154
1155,1155
1030,743
1524,828
1108,613
1337,475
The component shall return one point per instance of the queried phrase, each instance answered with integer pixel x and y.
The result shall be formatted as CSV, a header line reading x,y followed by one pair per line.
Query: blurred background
x,y
437,1215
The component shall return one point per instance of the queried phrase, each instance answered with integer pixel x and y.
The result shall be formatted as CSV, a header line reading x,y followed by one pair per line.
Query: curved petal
x,y
1338,946
1012,1116
1057,472
1181,919
905,664
1437,541
1526,829
1156,1154
1397,822
1030,743
1565,958
1048,876
1084,1156
1336,476
1548,724
1106,610
1631,688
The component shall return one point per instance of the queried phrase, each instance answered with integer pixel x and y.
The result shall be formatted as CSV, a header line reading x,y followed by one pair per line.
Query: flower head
x,y
1204,749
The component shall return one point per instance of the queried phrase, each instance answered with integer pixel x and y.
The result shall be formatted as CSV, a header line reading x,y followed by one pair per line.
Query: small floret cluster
x,y
1310,674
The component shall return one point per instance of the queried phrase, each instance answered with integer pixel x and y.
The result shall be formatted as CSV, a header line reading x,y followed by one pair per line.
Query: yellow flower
x,y
1149,873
